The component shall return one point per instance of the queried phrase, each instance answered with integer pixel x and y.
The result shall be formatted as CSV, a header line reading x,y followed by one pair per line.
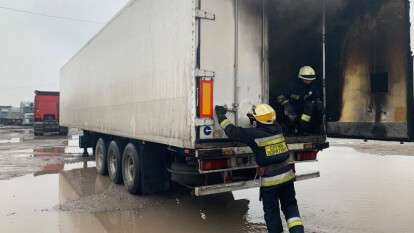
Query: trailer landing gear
x,y
85,152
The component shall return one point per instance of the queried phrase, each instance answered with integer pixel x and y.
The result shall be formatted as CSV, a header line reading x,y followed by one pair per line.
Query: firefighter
x,y
301,103
266,140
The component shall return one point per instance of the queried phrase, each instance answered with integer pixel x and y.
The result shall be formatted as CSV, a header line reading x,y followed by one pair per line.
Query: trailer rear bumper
x,y
223,188
46,126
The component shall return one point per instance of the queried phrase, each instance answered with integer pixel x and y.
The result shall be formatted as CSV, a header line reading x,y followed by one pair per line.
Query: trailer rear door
x,y
231,46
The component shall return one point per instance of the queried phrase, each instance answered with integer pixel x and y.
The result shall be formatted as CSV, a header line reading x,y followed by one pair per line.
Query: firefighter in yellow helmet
x,y
301,103
266,140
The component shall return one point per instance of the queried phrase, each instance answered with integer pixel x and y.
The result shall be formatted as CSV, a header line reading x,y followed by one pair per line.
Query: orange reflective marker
x,y
206,98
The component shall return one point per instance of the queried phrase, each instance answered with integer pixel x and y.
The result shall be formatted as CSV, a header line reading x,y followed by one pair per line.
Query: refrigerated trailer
x,y
143,90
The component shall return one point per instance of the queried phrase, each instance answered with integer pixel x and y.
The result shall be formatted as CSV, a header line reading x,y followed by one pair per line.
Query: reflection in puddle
x,y
51,169
48,151
73,146
12,140
115,212
78,200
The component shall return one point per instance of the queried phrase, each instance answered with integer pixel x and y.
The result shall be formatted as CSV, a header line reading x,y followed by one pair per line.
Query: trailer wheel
x,y
131,171
101,157
38,134
114,163
63,131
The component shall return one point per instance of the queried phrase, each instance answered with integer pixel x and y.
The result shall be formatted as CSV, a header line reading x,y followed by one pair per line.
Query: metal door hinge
x,y
205,15
204,122
204,73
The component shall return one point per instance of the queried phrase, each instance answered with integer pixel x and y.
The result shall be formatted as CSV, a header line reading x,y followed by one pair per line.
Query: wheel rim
x,y
129,169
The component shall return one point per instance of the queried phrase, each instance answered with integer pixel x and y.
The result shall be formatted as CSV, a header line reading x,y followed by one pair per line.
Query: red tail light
x,y
214,164
306,155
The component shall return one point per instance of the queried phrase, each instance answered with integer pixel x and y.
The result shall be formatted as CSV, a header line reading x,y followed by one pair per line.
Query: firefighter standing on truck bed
x,y
301,104
268,143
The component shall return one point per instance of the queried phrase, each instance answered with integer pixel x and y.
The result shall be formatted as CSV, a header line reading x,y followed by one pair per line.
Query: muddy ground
x,y
46,186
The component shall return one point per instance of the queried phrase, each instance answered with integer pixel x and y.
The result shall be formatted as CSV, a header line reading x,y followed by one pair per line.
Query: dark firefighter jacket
x,y
298,93
269,146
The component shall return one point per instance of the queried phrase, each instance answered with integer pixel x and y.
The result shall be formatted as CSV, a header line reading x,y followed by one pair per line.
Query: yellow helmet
x,y
264,113
307,73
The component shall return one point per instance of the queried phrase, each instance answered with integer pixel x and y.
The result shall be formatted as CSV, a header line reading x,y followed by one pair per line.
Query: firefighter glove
x,y
290,112
220,110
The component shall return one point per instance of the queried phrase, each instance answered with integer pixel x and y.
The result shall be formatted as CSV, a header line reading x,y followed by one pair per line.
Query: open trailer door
x,y
231,48
369,69
294,39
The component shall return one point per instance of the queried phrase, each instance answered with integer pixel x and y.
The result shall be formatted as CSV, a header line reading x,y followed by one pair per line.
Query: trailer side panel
x,y
135,77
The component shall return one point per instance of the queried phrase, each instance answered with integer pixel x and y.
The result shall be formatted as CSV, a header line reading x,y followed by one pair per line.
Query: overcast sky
x,y
34,47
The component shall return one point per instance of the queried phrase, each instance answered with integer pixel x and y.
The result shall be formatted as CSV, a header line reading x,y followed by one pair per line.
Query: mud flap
x,y
154,175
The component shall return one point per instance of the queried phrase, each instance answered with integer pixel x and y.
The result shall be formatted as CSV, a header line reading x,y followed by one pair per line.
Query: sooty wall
x,y
367,50
294,40
367,64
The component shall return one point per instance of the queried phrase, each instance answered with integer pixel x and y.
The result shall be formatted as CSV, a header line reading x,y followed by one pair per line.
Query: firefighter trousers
x,y
284,193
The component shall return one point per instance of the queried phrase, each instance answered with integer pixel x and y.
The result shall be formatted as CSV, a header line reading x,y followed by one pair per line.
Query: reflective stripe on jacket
x,y
269,145
277,179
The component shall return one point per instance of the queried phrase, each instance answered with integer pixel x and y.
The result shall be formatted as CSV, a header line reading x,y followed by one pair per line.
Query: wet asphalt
x,y
46,186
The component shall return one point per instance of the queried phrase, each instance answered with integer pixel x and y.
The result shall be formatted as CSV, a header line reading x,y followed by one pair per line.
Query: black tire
x,y
115,162
101,157
63,131
131,171
38,133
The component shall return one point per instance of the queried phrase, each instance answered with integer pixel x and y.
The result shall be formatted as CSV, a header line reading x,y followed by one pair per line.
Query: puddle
x,y
48,151
356,193
73,146
78,200
376,147
12,140
24,159
359,192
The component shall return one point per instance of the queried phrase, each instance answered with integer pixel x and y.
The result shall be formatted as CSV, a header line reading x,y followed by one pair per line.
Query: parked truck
x,y
12,116
28,119
143,90
3,113
46,114
27,111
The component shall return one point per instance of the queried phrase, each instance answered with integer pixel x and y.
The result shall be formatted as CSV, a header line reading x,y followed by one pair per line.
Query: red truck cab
x,y
46,113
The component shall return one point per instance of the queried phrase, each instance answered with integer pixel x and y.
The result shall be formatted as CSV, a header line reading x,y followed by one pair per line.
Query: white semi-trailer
x,y
143,91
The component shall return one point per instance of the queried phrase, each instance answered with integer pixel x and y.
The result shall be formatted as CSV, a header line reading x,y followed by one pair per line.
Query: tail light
x,y
213,164
306,155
